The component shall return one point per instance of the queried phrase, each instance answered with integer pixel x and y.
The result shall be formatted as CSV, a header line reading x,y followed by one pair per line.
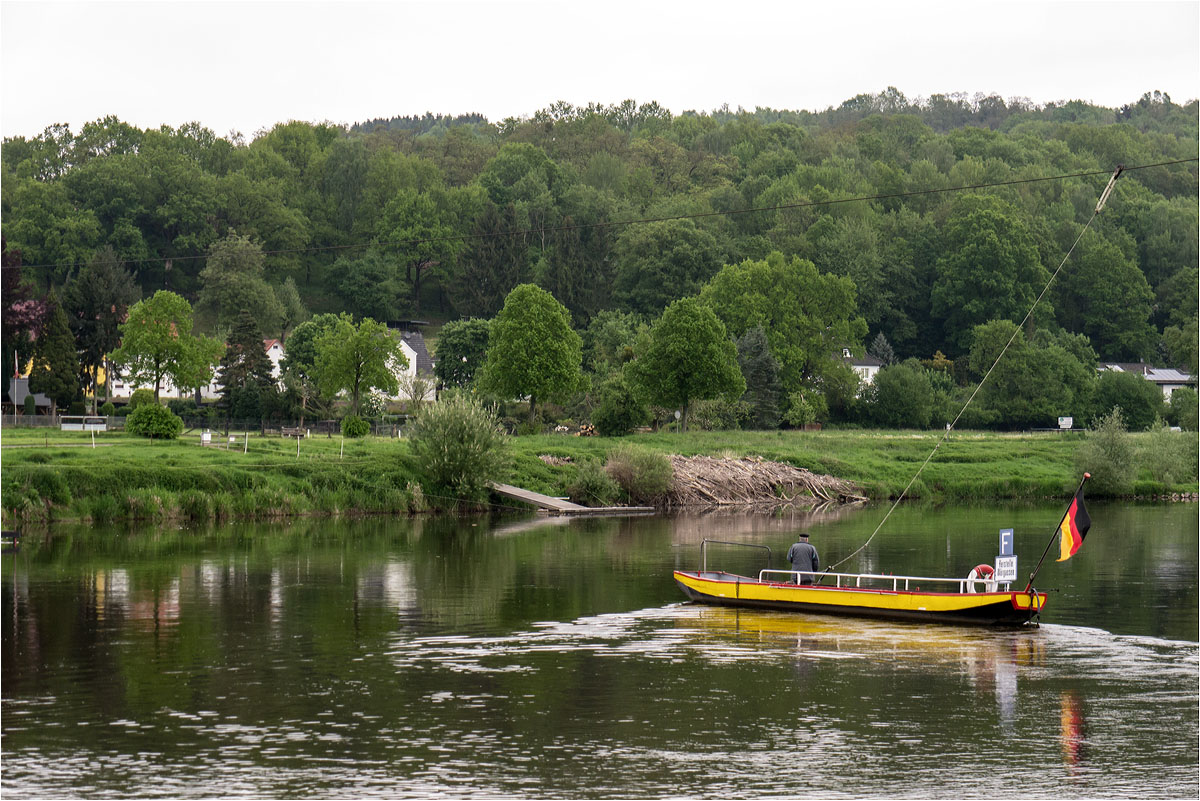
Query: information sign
x,y
1006,542
1006,569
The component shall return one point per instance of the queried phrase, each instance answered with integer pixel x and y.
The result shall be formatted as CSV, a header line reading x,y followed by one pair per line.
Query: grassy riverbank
x,y
59,476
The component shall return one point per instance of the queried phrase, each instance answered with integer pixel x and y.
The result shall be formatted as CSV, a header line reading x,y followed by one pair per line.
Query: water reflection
x,y
387,658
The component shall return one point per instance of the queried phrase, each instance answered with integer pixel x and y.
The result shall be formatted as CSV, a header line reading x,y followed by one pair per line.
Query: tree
x,y
689,357
495,261
532,350
299,364
357,359
808,316
661,261
97,301
761,371
1036,382
901,396
233,281
1140,401
55,363
881,349
157,343
292,310
1104,295
461,351
420,235
370,284
990,268
245,371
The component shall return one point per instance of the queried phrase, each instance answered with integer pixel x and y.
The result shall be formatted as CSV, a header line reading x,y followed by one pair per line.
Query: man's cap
x,y
802,535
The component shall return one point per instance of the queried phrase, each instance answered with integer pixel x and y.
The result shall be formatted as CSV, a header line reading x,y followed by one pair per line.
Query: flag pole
x,y
1057,530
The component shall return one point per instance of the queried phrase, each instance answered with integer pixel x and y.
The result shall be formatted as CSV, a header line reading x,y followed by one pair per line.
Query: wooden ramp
x,y
560,507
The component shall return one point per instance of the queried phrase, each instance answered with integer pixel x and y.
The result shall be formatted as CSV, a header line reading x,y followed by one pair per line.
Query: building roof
x,y
416,341
1157,375
18,389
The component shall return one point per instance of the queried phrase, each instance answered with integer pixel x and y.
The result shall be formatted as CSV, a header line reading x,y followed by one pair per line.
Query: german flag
x,y
1074,527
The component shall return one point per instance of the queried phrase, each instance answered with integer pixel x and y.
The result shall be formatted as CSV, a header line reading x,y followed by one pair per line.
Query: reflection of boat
x,y
947,600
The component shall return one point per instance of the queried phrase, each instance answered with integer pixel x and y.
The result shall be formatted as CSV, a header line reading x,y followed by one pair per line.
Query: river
x,y
523,657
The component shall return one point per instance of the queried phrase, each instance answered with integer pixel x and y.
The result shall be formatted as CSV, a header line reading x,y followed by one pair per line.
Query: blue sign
x,y
1006,542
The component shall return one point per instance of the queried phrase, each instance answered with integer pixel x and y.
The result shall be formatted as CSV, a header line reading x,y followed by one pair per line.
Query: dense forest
x,y
936,216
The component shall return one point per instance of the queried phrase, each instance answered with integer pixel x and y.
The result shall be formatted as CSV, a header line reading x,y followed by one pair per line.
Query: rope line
x,y
639,221
945,436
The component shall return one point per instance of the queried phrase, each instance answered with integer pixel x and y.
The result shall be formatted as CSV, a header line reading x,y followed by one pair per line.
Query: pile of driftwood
x,y
752,481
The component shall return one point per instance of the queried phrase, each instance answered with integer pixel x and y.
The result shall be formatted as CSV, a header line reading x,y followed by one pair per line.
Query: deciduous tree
x,y
532,350
689,357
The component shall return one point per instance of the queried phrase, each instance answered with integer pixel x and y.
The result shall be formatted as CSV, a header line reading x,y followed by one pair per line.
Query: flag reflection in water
x,y
1071,730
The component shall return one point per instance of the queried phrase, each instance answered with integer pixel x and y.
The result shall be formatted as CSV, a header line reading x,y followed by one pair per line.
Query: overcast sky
x,y
245,66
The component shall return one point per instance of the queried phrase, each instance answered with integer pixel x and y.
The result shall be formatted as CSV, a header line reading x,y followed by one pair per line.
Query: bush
x,y
184,407
154,421
1108,455
1169,456
1184,410
593,486
644,475
141,397
355,427
1139,400
77,408
619,410
458,446
30,404
108,409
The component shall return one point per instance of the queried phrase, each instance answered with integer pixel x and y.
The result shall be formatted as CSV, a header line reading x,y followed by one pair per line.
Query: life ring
x,y
982,573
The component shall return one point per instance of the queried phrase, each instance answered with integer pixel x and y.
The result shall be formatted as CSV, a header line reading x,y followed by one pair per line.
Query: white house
x,y
865,367
211,391
1168,379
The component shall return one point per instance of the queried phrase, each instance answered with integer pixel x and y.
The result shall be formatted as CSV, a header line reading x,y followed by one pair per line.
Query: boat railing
x,y
856,580
704,550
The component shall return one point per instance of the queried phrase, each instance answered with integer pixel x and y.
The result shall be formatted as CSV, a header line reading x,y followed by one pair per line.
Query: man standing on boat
x,y
804,559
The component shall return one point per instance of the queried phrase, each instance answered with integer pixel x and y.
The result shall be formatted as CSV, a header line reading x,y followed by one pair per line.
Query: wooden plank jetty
x,y
558,506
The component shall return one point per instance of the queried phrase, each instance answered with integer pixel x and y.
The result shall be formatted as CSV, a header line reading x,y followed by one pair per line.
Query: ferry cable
x,y
639,221
950,426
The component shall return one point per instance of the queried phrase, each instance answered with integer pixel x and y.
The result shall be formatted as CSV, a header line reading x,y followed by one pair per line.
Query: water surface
x,y
524,659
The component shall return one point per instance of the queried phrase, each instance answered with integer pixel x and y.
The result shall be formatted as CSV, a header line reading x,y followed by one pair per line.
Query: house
x,y
275,353
420,366
1168,379
865,367
209,392
18,390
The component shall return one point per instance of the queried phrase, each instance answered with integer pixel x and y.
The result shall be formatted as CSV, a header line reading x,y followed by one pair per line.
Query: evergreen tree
x,y
55,362
97,301
761,371
881,349
245,371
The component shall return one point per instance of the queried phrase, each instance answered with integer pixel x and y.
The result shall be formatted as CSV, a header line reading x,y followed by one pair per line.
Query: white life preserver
x,y
982,573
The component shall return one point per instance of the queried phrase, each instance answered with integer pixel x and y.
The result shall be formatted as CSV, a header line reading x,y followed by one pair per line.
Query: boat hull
x,y
981,609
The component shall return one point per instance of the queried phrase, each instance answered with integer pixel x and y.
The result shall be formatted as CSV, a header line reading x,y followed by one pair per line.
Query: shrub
x,y
1184,410
154,421
644,475
108,409
141,397
592,485
1108,455
458,446
355,427
77,408
30,405
618,410
1139,400
1169,456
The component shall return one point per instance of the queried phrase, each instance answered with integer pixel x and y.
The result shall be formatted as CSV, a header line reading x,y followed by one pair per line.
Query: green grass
x,y
62,478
